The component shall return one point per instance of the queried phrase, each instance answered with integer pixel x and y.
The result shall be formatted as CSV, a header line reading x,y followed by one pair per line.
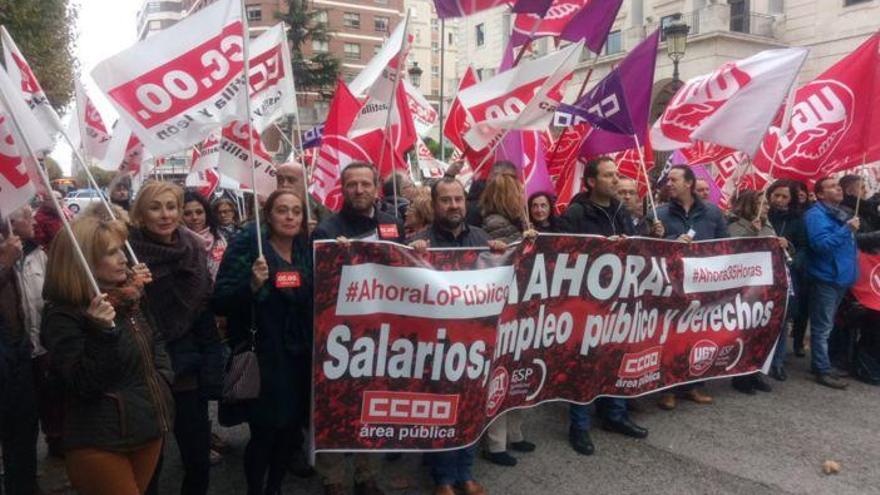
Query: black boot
x,y
626,427
580,441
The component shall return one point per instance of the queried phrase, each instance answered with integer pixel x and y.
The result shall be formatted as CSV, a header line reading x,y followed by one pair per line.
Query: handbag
x,y
242,380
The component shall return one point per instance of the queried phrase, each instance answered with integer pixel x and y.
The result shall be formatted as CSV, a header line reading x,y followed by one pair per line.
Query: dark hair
x,y
216,206
792,191
818,187
443,180
354,165
504,164
270,203
210,219
550,199
591,169
848,180
688,175
388,185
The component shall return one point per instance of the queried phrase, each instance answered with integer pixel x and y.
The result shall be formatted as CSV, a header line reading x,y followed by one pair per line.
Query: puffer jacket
x,y
116,382
500,228
586,217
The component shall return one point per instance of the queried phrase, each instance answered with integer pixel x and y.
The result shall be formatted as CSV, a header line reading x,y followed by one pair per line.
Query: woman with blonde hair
x,y
111,360
503,205
419,214
179,298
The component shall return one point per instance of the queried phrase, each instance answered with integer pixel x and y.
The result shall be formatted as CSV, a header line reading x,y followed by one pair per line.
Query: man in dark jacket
x,y
450,230
18,411
360,218
597,211
687,218
832,268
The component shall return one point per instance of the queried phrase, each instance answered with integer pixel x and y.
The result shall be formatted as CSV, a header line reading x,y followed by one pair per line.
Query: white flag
x,y
379,62
424,115
273,93
429,166
125,152
23,77
235,158
17,109
206,155
524,97
732,106
93,133
175,87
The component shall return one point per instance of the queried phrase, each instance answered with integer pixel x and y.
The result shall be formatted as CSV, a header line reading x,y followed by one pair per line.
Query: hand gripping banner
x,y
423,352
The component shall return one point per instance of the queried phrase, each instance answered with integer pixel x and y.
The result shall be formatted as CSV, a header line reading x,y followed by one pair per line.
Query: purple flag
x,y
592,23
532,6
526,150
601,107
630,83
714,191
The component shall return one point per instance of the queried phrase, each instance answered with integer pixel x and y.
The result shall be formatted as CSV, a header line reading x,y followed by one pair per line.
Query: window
x,y
449,39
848,3
435,70
322,108
435,46
352,51
739,16
321,17
479,74
613,44
155,25
351,20
154,7
320,46
380,24
254,13
376,49
480,34
637,14
435,23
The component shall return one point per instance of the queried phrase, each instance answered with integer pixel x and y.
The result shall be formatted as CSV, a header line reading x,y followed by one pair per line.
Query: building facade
x,y
156,15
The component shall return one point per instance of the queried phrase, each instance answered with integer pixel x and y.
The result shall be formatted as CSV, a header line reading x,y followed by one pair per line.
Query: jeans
x,y
824,301
18,422
779,355
801,309
453,466
608,408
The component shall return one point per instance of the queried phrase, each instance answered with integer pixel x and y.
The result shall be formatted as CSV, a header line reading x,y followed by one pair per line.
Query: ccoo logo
x,y
819,120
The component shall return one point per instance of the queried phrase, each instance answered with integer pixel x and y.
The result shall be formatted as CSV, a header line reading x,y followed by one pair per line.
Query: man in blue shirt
x,y
832,268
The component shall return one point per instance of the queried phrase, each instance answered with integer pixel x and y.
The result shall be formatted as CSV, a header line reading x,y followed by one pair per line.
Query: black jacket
x,y
469,237
116,382
352,225
790,225
283,317
868,235
586,217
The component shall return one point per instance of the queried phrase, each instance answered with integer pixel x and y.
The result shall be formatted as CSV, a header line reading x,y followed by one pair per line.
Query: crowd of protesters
x,y
111,378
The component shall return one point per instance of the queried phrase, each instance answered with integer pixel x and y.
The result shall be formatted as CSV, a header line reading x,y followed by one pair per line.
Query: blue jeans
x,y
779,355
824,300
452,466
609,408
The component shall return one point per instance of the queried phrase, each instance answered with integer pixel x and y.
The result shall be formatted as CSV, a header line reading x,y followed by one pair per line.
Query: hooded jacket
x,y
831,256
583,216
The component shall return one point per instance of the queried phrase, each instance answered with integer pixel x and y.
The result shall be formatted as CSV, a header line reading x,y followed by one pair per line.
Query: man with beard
x,y
452,469
360,218
598,211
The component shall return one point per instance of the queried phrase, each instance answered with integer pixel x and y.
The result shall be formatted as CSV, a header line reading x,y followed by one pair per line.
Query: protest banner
x,y
422,352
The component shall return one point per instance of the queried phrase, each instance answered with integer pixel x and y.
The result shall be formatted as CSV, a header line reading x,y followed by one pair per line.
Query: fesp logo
x,y
700,98
497,390
821,117
702,356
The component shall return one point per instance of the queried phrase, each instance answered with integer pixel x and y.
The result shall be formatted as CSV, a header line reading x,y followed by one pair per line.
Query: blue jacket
x,y
831,253
705,219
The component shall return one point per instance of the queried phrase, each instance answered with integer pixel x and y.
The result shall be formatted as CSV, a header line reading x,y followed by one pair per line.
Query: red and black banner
x,y
422,352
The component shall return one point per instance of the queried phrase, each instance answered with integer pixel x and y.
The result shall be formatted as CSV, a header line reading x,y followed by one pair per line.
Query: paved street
x,y
764,444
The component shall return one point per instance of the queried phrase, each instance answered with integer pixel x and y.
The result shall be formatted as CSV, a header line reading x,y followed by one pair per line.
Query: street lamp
x,y
676,33
415,74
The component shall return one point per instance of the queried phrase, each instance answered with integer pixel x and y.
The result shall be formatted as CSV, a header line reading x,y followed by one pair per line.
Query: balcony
x,y
711,18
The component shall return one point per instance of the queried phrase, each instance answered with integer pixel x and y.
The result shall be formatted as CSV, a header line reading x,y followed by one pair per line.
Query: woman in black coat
x,y
272,295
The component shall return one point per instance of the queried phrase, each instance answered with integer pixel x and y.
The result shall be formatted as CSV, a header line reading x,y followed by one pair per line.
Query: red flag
x,y
629,165
400,136
867,287
835,120
459,120
337,150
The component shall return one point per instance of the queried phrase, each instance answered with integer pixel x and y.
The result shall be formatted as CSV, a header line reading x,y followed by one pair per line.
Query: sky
x,y
105,27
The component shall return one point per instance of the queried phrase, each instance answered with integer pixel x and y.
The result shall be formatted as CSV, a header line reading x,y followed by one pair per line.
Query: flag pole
x,y
580,94
391,103
861,182
645,173
65,223
442,85
250,125
302,155
94,184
